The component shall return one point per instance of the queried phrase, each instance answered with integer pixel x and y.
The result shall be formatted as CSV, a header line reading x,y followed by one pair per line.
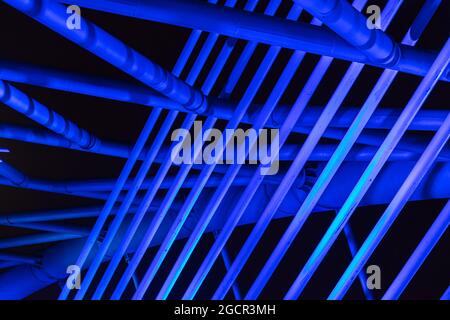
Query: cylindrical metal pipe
x,y
419,255
57,258
341,17
91,85
39,113
19,258
426,120
277,32
99,42
12,174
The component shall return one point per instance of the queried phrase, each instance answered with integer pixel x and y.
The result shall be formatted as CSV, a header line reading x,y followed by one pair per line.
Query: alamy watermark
x,y
374,277
73,21
233,147
374,20
74,279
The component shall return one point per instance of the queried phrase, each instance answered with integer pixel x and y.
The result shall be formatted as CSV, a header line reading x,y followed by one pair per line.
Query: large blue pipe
x,y
85,84
112,50
433,188
133,93
223,56
238,114
382,51
295,168
409,148
326,176
369,175
23,103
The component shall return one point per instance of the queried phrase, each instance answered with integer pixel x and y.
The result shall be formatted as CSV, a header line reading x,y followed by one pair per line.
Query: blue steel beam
x,y
300,160
273,31
23,103
426,120
151,192
353,246
374,138
231,173
324,179
350,24
226,182
422,166
372,170
234,216
240,112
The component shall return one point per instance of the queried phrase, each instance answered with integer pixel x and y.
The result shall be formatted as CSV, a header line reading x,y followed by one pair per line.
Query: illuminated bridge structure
x,y
88,183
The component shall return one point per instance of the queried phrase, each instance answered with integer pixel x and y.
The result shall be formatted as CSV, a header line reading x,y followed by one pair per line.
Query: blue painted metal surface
x,y
385,156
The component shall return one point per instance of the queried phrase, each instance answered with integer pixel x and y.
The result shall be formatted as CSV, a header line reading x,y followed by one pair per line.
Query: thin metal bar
x,y
152,191
298,163
324,179
143,170
54,215
393,210
353,246
9,264
416,260
372,170
223,187
36,111
227,263
205,174
53,227
426,120
92,239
